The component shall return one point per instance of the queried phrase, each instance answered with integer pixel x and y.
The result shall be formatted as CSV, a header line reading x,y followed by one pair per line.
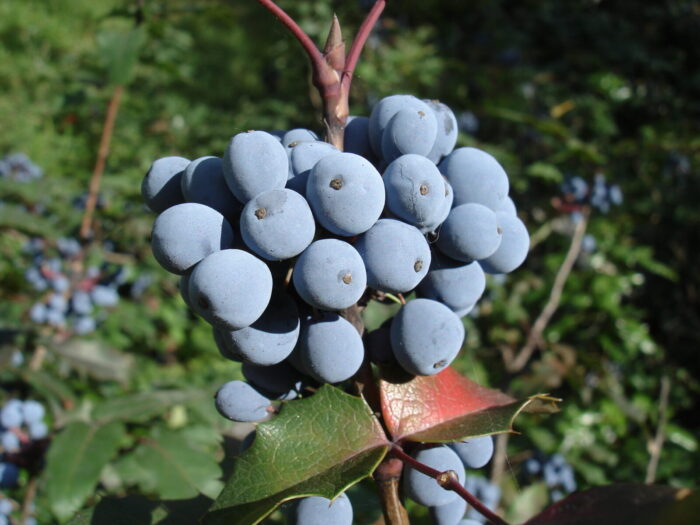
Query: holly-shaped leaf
x,y
624,503
74,462
316,446
445,407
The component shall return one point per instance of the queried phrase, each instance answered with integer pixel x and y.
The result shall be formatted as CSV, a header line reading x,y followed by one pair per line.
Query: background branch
x,y
535,336
657,444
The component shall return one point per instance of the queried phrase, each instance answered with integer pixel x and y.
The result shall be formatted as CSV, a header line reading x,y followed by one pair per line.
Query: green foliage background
x,y
558,88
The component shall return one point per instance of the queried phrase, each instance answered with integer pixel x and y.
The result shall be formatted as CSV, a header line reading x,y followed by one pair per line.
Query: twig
x,y
657,444
535,336
331,70
311,50
448,480
359,42
107,129
387,477
499,457
29,496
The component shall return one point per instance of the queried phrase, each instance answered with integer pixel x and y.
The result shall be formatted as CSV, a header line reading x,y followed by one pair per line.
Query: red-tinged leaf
x,y
446,407
625,503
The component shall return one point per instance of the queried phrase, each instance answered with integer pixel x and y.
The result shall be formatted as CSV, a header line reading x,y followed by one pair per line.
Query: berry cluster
x,y
18,167
73,297
600,195
21,424
282,234
558,475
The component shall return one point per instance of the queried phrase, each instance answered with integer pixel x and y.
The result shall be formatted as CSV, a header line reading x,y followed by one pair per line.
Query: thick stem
x,y
103,152
387,478
448,480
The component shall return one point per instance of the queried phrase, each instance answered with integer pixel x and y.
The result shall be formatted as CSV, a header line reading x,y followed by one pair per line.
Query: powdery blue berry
x,y
424,489
239,401
161,187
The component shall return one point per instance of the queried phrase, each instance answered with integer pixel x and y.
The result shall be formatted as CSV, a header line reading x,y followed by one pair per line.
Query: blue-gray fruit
x,y
230,289
316,510
474,452
254,161
424,489
475,177
186,233
415,190
270,339
203,182
456,284
277,224
470,233
346,193
513,248
160,187
330,275
330,348
239,401
426,336
396,256
409,131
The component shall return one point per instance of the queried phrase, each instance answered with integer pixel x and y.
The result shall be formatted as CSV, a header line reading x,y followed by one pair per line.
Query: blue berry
x,y
471,232
447,130
203,182
426,336
33,411
450,513
356,139
396,256
330,348
476,177
230,288
415,189
456,284
277,224
474,452
161,187
238,401
304,157
424,489
514,246
186,233
11,415
254,162
346,193
315,510
409,131
330,275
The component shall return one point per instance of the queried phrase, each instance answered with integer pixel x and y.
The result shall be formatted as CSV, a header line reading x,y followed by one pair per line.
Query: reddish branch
x,y
102,153
448,480
332,71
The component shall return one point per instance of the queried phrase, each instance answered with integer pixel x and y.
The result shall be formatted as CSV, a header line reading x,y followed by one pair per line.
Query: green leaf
x,y
119,52
167,464
623,503
95,359
544,171
74,462
138,510
141,407
316,446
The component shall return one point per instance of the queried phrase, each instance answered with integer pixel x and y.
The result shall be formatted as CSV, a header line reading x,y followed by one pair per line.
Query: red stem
x,y
311,50
448,480
359,42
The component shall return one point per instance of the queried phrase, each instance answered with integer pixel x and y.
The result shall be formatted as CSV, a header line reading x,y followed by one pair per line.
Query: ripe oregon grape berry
x,y
186,233
230,289
514,246
426,336
330,348
330,275
203,182
277,224
475,177
396,256
450,513
346,193
474,452
161,187
409,131
254,161
239,401
316,510
424,489
456,284
470,233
